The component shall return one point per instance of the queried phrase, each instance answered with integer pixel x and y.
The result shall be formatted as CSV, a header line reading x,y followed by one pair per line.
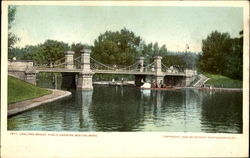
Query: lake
x,y
124,108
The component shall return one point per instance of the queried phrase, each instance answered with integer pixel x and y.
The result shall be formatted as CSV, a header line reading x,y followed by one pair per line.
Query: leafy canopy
x,y
12,38
118,47
222,55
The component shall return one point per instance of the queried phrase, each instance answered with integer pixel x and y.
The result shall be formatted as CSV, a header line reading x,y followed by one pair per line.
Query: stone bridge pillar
x,y
31,75
190,76
69,59
159,77
85,76
68,79
140,79
140,63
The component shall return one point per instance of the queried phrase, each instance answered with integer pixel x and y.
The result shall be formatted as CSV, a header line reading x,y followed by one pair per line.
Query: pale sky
x,y
173,26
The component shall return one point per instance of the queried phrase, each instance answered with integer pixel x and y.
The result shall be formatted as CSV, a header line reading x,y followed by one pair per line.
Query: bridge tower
x,y
159,76
139,79
68,78
85,76
69,59
140,63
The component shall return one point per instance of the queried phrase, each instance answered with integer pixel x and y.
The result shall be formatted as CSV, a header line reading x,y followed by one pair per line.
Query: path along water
x,y
22,106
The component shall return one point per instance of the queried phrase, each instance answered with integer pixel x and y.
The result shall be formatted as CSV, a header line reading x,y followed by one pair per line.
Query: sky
x,y
173,26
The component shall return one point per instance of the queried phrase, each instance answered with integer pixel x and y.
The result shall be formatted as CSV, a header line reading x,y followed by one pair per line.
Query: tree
x,y
24,53
215,48
118,47
11,15
234,64
150,50
222,55
50,50
12,38
77,47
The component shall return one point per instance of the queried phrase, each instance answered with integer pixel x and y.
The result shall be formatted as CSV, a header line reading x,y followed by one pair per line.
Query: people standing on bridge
x,y
153,84
161,84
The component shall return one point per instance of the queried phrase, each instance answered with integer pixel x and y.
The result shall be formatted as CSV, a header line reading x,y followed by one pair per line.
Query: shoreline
x,y
129,83
26,105
221,89
116,83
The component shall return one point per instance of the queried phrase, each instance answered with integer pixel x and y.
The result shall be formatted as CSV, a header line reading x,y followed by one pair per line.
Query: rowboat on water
x,y
149,86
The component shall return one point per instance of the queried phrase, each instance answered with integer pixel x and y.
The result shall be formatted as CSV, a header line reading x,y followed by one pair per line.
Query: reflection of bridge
x,y
82,69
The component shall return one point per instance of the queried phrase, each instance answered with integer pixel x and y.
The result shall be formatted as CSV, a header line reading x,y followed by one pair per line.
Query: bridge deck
x,y
128,72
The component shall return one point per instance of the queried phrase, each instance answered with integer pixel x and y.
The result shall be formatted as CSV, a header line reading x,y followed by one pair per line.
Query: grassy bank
x,y
220,81
19,90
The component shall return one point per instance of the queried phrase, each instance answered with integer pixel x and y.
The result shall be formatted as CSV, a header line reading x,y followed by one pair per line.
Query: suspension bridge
x,y
84,67
99,68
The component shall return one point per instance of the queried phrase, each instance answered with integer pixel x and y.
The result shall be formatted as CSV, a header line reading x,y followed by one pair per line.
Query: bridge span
x,y
84,67
118,72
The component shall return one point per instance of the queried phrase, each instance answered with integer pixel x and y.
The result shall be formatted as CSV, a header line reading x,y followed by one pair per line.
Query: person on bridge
x,y
54,82
153,85
161,84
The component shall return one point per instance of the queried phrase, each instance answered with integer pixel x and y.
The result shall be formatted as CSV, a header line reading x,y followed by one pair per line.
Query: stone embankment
x,y
22,106
203,79
118,83
200,84
221,89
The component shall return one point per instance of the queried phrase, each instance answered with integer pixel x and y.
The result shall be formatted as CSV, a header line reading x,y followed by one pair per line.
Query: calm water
x,y
109,108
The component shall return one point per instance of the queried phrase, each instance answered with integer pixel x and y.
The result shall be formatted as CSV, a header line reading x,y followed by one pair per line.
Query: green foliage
x,y
150,50
11,15
12,38
77,47
25,53
215,48
49,50
19,90
223,81
222,55
42,53
180,60
234,64
118,47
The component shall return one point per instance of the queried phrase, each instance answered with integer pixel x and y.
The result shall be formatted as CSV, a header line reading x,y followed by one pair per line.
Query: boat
x,y
149,86
146,85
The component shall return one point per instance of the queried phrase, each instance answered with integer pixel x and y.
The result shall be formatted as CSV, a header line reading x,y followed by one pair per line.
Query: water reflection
x,y
84,100
129,109
221,107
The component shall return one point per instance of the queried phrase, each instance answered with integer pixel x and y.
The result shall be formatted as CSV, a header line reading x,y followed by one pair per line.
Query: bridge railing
x,y
60,64
96,65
